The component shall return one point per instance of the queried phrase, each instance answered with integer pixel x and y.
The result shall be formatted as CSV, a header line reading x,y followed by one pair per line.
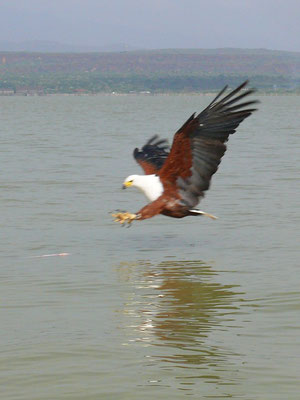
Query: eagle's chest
x,y
153,188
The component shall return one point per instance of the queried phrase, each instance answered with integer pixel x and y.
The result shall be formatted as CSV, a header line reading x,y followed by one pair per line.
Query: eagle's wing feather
x,y
198,145
152,155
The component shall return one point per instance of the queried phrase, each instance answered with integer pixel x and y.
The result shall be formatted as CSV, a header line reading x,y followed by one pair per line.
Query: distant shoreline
x,y
165,93
157,71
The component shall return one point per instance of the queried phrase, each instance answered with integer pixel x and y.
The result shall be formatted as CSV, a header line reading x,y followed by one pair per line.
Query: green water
x,y
168,308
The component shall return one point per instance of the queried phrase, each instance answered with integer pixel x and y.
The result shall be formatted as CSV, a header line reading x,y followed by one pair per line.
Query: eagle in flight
x,y
175,180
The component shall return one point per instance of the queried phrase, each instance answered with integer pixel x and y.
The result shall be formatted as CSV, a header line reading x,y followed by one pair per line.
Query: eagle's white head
x,y
150,185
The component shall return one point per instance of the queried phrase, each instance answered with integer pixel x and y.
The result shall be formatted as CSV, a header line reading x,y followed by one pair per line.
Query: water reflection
x,y
181,311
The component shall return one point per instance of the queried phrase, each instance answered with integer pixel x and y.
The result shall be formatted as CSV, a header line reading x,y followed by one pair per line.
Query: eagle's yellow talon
x,y
124,217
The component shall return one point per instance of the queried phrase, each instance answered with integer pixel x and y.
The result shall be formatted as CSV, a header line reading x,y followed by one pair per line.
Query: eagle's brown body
x,y
184,173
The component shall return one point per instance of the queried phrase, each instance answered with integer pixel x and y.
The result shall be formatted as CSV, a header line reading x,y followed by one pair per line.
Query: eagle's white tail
x,y
199,212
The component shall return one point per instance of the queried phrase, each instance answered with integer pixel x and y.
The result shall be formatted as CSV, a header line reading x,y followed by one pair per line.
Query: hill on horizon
x,y
47,46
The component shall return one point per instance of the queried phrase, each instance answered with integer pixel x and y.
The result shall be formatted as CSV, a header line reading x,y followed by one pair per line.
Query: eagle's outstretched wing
x,y
152,155
198,145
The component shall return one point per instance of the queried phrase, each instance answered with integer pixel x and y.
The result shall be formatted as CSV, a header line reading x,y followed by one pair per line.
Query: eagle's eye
x,y
131,181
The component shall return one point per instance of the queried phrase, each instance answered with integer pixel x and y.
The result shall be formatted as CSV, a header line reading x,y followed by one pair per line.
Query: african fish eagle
x,y
175,180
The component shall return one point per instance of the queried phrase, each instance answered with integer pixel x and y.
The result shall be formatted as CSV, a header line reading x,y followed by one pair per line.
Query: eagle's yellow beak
x,y
127,184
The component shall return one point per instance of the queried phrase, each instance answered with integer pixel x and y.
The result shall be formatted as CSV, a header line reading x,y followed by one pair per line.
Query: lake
x,y
168,309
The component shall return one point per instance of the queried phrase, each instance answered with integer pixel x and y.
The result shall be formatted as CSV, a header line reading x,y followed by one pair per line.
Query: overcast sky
x,y
271,24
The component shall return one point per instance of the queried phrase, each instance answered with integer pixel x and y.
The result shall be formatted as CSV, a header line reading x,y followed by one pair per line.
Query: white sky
x,y
272,24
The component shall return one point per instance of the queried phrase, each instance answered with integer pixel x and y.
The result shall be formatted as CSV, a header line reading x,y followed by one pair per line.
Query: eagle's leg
x,y
124,217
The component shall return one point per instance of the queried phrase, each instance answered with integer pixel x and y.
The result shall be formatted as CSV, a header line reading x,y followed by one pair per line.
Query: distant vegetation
x,y
153,71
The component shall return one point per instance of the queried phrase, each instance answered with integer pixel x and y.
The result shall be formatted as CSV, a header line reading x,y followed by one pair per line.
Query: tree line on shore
x,y
156,71
95,83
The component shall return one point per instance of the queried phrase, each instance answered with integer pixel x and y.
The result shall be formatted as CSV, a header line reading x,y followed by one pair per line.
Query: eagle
x,y
176,179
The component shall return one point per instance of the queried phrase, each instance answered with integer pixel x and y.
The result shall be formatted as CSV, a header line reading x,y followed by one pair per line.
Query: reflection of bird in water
x,y
178,303
193,305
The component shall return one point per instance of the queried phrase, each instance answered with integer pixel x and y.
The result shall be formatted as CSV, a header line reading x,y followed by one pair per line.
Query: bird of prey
x,y
176,179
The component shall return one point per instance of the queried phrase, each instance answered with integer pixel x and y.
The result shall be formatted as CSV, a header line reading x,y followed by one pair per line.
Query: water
x,y
168,308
